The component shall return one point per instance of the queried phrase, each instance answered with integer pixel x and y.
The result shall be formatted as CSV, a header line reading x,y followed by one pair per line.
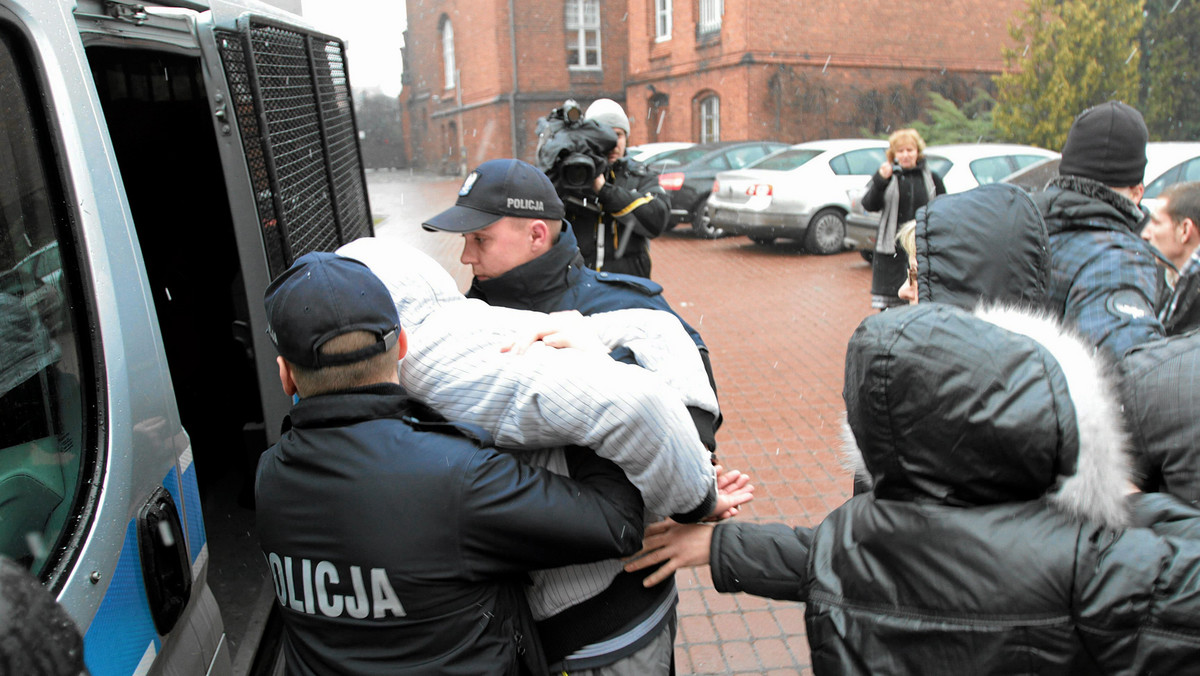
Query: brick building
x,y
478,74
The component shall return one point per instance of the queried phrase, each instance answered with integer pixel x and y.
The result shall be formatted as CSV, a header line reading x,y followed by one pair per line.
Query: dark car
x,y
687,176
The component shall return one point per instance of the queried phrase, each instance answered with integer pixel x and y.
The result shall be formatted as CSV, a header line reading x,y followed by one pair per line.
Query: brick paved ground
x,y
776,321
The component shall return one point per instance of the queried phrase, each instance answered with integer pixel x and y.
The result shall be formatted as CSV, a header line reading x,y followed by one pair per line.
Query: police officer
x,y
397,543
629,209
522,257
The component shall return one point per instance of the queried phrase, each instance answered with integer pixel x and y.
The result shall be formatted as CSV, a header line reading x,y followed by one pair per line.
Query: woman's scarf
x,y
885,238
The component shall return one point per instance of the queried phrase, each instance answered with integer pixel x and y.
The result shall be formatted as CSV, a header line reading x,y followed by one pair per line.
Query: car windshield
x,y
786,160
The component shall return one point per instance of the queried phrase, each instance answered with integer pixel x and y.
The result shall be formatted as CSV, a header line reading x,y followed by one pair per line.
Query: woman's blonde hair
x,y
906,237
905,137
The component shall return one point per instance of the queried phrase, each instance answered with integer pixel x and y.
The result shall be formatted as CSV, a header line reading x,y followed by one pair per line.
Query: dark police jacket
x,y
631,196
398,547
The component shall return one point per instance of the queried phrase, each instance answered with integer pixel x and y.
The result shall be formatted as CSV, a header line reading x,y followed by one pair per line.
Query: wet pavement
x,y
776,321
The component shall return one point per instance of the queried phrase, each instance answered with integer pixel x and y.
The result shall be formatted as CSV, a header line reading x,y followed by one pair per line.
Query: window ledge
x,y
708,38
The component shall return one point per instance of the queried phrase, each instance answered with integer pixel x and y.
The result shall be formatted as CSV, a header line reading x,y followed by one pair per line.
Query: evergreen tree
x,y
1171,69
1070,55
950,124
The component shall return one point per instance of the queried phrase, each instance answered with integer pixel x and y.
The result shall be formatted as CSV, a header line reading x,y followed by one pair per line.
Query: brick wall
x,y
791,70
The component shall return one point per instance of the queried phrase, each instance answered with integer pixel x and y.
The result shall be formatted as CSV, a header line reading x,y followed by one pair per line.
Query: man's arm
x,y
517,517
647,204
1111,300
762,559
551,397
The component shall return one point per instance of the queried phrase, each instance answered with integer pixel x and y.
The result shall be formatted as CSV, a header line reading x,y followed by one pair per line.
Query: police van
x,y
160,163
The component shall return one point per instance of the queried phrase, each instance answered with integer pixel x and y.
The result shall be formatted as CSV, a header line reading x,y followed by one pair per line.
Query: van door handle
x,y
165,569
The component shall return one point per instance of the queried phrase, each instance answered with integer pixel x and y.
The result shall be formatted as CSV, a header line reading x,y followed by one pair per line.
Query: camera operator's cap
x,y
609,112
499,188
322,296
1107,143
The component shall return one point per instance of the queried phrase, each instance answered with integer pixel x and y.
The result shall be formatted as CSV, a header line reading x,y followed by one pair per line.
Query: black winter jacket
x,y
997,539
619,222
888,271
1159,382
398,547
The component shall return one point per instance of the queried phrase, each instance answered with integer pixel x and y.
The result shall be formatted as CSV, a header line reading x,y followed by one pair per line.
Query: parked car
x,y
962,166
647,152
1167,163
687,176
799,193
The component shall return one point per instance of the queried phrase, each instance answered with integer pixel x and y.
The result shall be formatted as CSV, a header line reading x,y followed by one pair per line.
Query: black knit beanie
x,y
1107,143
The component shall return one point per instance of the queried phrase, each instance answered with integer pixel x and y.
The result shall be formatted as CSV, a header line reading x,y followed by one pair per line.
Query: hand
x,y
733,490
598,183
679,545
560,330
885,170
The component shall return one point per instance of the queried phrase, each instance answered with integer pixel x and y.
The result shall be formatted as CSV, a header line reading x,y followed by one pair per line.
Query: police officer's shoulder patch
x,y
1127,304
641,284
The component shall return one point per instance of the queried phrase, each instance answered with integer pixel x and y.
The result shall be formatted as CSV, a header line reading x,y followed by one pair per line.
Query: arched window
x,y
448,53
710,118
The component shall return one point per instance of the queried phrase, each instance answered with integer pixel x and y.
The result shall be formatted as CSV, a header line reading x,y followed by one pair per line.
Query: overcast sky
x,y
372,30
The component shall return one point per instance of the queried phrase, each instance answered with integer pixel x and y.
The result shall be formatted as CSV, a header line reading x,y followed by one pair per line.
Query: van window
x,y
44,369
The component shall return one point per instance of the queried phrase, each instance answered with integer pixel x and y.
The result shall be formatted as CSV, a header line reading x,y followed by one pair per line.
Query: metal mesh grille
x,y
242,98
333,87
297,88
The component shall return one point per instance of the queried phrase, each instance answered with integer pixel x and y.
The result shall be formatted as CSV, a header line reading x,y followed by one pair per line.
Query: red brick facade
x,y
790,70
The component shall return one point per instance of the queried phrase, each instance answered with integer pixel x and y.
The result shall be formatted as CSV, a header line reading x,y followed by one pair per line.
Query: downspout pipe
x,y
512,94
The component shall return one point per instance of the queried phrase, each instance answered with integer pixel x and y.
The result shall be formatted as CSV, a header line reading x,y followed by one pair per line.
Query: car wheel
x,y
826,232
759,239
702,224
868,256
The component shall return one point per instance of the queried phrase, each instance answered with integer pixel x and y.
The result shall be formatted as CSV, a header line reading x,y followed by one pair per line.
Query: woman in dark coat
x,y
1002,534
902,185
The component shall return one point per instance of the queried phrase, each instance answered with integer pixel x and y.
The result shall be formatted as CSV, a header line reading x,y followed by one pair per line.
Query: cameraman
x,y
628,209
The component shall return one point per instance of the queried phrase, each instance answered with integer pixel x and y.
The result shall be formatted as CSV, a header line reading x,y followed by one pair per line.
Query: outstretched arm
x,y
553,397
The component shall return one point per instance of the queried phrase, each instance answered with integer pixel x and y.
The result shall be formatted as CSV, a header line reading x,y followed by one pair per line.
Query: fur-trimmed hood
x,y
995,406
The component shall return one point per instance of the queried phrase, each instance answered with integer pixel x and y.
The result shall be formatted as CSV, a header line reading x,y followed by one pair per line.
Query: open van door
x,y
160,163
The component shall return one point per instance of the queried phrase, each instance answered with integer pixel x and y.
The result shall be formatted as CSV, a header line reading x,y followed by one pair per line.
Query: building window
x,y
448,73
583,33
662,20
710,119
710,16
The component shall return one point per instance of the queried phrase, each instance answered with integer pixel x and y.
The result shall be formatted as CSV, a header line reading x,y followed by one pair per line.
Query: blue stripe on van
x,y
196,536
122,631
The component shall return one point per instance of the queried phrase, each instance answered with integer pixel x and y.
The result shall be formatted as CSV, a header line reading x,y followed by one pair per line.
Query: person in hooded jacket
x,y
902,185
987,244
1105,277
1001,535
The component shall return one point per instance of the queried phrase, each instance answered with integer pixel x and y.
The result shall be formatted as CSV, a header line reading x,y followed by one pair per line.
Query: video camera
x,y
573,151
